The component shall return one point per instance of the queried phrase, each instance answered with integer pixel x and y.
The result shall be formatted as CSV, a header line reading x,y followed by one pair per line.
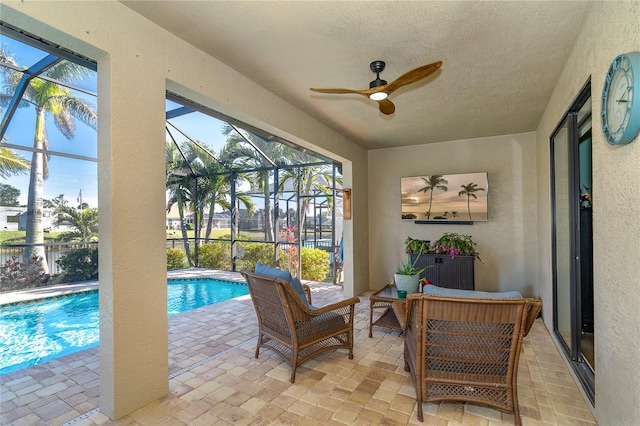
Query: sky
x,y
67,176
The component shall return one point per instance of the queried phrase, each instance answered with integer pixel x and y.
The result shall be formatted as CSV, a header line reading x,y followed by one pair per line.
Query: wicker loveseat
x,y
295,329
466,349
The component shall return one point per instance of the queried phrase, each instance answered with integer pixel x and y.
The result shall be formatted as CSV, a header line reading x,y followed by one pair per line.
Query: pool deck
x,y
214,379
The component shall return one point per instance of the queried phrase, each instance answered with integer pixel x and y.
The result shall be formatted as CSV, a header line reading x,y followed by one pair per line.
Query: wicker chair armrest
x,y
331,307
307,291
403,314
401,310
533,306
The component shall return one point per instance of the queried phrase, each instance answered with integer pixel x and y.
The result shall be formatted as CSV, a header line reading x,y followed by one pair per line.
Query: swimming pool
x,y
33,333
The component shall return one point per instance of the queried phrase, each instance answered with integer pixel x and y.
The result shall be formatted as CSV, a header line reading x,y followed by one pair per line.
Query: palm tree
x,y
312,178
84,223
47,98
11,163
238,151
214,183
431,183
212,188
177,185
469,190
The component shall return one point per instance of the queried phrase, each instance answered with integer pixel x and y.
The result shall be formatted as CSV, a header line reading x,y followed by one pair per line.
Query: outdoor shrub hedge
x,y
175,258
79,264
215,255
315,264
17,275
251,253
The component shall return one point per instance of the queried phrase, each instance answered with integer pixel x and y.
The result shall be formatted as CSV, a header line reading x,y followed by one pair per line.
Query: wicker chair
x,y
465,349
291,329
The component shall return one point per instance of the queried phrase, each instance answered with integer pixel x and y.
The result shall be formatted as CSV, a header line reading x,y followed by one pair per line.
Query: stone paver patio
x,y
214,379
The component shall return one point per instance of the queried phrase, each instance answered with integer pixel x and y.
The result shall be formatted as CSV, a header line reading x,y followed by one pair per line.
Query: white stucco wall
x,y
611,28
137,63
506,243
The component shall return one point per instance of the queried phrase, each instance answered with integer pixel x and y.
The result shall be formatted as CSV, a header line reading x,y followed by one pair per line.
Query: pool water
x,y
32,333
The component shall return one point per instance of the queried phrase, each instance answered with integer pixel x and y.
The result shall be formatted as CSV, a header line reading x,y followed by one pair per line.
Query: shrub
x,y
17,275
216,255
175,258
79,264
251,253
315,264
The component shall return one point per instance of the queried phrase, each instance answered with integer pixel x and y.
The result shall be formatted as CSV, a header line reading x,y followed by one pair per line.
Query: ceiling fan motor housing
x,y
377,67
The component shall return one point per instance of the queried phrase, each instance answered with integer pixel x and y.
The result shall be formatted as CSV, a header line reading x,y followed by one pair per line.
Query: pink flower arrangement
x,y
290,253
454,244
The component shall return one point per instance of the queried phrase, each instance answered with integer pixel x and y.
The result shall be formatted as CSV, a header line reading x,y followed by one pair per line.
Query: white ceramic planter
x,y
408,283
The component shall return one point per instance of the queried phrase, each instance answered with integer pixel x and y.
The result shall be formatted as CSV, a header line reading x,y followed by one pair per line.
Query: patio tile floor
x,y
215,379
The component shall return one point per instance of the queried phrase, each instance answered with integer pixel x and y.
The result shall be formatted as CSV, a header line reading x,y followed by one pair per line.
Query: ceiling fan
x,y
379,89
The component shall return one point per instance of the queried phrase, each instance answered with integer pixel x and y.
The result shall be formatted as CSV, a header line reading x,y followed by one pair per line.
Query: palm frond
x,y
81,110
65,123
68,72
5,99
11,163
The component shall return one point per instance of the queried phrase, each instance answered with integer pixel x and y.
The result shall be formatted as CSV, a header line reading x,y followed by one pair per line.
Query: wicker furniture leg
x,y
370,319
258,344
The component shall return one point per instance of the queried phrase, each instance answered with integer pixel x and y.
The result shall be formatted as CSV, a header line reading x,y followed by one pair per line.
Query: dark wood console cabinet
x,y
446,272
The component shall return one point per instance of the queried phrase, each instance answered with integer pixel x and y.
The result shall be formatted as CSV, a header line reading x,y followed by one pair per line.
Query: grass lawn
x,y
17,237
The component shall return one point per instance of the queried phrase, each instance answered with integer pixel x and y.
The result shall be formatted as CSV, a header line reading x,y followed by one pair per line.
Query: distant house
x,y
10,217
220,219
48,221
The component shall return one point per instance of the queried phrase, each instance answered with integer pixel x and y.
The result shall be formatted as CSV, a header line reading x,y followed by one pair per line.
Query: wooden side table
x,y
394,308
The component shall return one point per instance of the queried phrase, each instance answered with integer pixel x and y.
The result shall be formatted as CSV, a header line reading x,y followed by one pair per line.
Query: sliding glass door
x,y
572,237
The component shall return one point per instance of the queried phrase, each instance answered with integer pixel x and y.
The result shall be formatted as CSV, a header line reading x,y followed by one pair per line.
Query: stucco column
x,y
131,193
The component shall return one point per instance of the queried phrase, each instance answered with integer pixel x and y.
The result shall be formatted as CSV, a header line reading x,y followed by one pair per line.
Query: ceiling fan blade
x,y
412,76
386,107
341,91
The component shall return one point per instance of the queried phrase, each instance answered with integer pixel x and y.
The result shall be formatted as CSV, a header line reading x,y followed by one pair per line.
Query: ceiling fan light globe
x,y
378,96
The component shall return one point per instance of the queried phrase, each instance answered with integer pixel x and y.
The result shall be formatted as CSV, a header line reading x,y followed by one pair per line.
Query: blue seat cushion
x,y
294,282
470,294
297,287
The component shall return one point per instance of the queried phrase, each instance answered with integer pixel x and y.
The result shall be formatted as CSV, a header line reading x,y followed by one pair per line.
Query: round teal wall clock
x,y
621,100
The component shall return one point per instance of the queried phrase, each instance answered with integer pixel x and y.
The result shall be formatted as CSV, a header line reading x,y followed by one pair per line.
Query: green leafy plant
x,y
215,255
454,244
408,268
175,258
79,264
251,253
315,264
413,246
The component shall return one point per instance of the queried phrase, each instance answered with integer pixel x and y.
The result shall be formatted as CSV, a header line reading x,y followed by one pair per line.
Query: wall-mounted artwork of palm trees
x,y
458,197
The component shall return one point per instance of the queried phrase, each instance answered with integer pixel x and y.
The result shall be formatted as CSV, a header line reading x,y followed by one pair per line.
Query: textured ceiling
x,y
501,60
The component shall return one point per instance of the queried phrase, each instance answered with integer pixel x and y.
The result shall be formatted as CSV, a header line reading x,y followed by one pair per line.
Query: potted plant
x,y
413,246
454,244
407,277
